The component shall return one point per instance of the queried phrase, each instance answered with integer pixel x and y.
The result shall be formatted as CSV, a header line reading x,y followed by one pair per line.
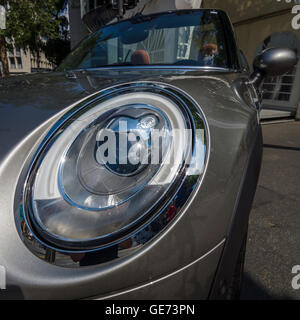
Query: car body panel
x,y
201,226
191,282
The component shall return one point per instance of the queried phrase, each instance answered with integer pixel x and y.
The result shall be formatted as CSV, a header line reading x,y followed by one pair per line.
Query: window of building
x,y
18,51
91,4
19,62
11,52
12,62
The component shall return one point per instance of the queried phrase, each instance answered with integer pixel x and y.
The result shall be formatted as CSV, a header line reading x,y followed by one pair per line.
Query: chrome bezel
x,y
194,112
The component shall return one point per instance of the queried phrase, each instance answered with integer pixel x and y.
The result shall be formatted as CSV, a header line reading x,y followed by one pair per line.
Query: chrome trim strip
x,y
153,67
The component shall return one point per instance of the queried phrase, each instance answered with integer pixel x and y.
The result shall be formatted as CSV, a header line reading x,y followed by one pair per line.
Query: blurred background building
x,y
258,25
20,61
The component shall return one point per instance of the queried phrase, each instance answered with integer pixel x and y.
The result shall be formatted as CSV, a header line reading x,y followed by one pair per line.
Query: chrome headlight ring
x,y
154,103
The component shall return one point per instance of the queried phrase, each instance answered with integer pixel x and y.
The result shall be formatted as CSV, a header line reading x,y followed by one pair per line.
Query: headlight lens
x,y
108,168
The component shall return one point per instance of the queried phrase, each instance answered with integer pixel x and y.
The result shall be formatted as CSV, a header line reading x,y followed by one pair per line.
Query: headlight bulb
x,y
131,137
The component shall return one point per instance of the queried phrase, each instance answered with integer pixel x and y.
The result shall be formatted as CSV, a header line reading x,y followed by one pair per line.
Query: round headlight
x,y
108,168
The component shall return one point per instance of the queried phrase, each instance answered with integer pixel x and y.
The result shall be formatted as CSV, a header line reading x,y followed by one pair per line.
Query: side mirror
x,y
272,62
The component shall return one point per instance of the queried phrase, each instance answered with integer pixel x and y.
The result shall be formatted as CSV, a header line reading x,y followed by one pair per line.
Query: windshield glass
x,y
194,38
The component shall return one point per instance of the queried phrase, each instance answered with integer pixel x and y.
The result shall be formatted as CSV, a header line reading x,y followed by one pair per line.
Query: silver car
x,y
129,172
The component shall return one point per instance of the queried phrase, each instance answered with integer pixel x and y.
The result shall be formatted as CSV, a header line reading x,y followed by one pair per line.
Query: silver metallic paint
x,y
202,225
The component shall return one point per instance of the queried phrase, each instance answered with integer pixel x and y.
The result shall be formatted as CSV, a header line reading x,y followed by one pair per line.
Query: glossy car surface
x,y
188,245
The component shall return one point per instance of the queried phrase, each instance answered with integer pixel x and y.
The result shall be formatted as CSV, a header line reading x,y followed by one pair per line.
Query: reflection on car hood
x,y
27,101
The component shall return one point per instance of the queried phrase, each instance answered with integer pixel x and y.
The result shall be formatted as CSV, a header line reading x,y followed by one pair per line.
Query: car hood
x,y
29,100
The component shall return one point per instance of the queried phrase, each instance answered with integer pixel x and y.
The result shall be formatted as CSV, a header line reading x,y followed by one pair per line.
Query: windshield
x,y
194,38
